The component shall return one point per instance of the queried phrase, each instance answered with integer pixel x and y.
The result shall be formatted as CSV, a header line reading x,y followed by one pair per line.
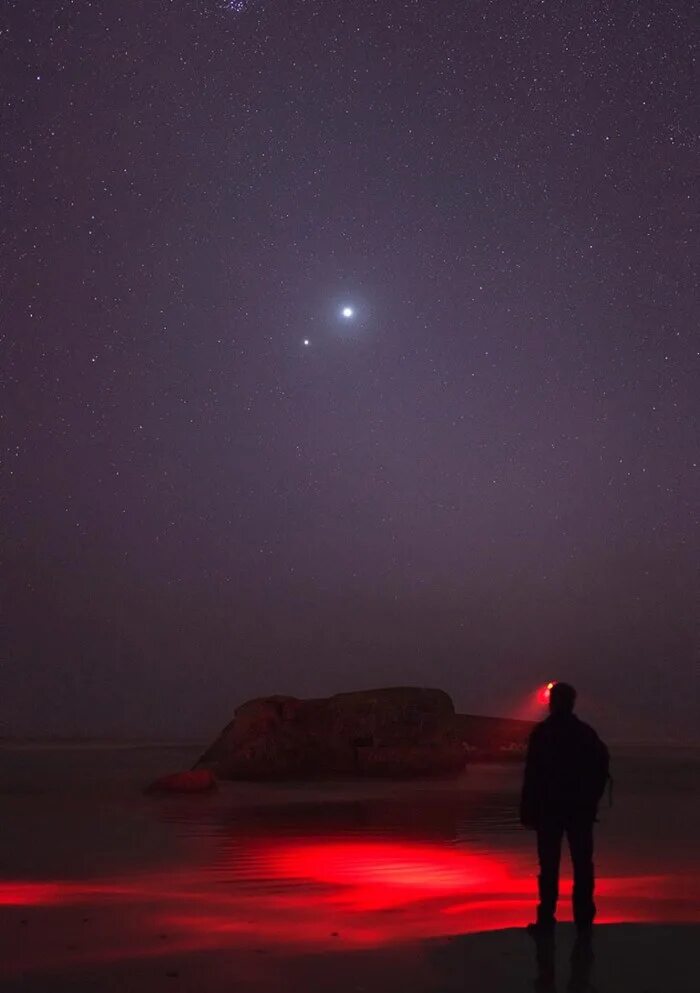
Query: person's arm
x,y
602,769
528,798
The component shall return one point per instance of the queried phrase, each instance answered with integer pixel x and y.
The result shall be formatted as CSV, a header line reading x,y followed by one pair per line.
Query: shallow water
x,y
303,866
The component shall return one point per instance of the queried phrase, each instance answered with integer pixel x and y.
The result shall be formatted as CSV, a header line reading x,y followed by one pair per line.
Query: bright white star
x,y
306,341
347,312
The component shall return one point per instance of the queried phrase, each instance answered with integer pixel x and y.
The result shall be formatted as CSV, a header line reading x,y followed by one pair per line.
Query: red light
x,y
545,692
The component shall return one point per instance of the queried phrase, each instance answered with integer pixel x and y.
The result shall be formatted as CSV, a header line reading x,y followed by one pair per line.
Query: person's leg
x,y
580,835
549,837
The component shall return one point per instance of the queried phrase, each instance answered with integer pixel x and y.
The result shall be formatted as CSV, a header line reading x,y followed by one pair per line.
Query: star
x,y
347,312
306,342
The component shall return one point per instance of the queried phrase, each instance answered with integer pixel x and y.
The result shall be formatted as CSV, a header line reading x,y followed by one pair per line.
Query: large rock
x,y
401,731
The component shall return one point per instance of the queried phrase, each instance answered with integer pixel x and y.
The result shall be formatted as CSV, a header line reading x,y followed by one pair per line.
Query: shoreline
x,y
334,887
626,958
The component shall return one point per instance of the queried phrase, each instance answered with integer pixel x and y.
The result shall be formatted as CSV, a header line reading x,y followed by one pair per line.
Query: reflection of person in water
x,y
581,965
565,776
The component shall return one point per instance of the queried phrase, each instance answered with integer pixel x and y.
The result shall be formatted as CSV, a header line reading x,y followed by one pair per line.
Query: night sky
x,y
216,485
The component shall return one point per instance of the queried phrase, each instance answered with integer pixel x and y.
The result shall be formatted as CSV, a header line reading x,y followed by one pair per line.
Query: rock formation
x,y
395,732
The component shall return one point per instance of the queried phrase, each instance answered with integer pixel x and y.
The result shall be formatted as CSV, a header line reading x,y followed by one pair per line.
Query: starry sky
x,y
215,485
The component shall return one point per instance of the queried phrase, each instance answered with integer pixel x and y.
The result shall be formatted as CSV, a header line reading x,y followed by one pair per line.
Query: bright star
x,y
347,312
306,341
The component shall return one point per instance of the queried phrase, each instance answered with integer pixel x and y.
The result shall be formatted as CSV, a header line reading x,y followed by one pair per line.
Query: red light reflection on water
x,y
306,894
45,894
388,873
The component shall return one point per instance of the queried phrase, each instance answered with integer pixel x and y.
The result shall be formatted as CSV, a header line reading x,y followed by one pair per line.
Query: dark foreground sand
x,y
328,888
627,958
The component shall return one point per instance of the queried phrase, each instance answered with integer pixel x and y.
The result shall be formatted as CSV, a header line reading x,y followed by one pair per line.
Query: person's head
x,y
562,698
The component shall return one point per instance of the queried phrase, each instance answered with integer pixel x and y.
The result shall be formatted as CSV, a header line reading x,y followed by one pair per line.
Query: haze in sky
x,y
347,345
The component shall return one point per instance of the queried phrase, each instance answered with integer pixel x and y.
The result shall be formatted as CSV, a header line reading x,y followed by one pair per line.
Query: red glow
x,y
306,895
22,894
546,692
377,875
531,707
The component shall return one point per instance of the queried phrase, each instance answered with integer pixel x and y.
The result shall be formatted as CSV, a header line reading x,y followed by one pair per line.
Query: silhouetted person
x,y
565,775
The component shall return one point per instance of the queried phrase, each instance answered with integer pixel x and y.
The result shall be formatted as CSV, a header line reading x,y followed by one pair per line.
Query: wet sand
x,y
625,958
328,887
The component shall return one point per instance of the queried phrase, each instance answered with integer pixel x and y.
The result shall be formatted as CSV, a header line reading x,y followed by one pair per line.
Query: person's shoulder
x,y
586,731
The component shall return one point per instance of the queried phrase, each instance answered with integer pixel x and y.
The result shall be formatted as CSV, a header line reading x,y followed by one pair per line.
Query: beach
x,y
368,885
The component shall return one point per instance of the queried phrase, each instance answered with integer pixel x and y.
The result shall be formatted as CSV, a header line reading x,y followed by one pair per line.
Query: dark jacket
x,y
566,771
